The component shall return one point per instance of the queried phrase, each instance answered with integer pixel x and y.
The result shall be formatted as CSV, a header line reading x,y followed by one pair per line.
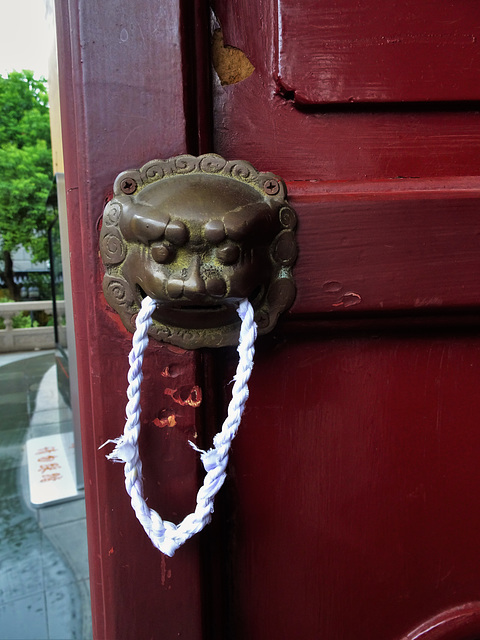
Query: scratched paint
x,y
342,298
168,421
428,302
231,64
332,286
349,299
172,371
165,574
193,399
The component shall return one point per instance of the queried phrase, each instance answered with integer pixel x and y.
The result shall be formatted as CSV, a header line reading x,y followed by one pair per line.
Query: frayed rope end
x,y
123,451
209,458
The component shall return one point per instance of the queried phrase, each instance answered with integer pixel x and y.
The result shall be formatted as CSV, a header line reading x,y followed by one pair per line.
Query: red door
x,y
350,510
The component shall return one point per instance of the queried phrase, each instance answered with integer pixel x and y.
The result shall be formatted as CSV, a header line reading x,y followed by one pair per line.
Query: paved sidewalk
x,y
44,590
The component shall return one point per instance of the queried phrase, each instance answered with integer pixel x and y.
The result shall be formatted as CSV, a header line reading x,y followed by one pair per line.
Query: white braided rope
x,y
165,535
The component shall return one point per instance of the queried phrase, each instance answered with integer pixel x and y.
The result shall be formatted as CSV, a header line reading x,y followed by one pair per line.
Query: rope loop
x,y
165,535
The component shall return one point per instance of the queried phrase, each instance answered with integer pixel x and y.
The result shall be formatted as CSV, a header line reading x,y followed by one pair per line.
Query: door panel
x,y
350,508
352,475
377,246
409,50
353,515
115,115
255,119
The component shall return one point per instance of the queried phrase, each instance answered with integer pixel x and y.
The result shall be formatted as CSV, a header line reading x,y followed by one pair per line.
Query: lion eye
x,y
215,231
228,254
162,252
176,232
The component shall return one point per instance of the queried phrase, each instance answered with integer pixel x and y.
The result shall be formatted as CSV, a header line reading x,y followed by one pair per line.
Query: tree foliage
x,y
25,164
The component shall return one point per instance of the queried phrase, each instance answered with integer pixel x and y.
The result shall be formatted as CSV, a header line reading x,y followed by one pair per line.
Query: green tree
x,y
25,169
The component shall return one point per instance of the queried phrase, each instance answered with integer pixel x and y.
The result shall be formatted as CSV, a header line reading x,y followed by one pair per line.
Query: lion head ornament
x,y
198,234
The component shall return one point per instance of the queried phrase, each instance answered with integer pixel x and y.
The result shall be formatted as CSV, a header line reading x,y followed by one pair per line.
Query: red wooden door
x,y
351,507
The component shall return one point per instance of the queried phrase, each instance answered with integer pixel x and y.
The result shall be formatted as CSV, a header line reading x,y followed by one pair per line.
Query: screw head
x,y
128,186
271,186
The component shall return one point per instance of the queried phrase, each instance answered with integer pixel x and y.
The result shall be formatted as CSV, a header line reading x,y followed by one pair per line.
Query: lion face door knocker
x,y
198,234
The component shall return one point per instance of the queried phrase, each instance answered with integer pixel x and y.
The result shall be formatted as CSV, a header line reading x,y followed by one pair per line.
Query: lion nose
x,y
194,284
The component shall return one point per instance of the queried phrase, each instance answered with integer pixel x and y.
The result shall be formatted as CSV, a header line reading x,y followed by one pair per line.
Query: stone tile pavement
x,y
44,589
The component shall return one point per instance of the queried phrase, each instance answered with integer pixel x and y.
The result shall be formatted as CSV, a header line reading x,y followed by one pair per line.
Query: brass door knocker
x,y
198,234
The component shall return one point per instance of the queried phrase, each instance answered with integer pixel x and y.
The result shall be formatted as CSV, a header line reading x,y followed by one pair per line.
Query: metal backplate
x,y
198,234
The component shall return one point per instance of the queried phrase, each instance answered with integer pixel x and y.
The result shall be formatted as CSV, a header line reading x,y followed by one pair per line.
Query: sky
x,y
25,41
